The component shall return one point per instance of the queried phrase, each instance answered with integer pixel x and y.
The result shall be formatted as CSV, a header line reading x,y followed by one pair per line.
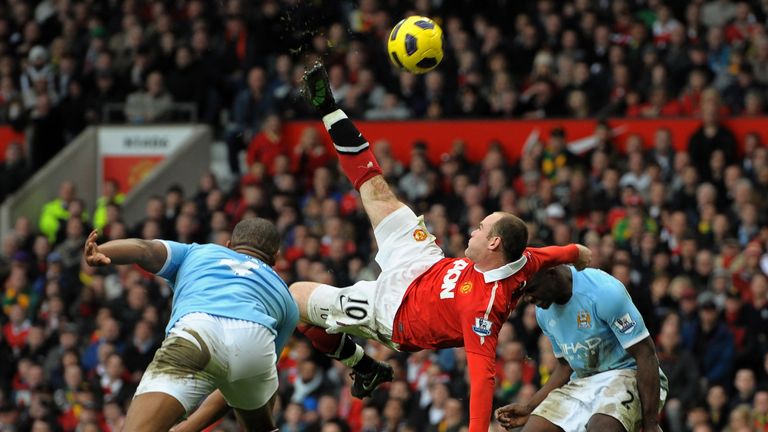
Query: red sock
x,y
355,156
322,341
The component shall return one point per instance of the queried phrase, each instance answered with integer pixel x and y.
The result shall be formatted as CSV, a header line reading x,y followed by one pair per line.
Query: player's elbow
x,y
153,255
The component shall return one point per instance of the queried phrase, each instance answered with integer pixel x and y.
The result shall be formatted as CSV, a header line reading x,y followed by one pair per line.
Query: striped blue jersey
x,y
219,281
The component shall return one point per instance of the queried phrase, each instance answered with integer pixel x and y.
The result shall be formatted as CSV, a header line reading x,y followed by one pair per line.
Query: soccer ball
x,y
416,44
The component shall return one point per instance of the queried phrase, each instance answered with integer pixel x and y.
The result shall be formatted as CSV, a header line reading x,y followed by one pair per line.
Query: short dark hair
x,y
514,236
259,235
553,277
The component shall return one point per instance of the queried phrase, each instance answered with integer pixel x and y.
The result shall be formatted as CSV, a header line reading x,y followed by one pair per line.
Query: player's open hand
x,y
585,257
513,415
93,257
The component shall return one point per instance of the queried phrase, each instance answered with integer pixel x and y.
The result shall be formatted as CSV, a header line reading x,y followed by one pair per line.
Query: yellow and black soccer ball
x,y
416,44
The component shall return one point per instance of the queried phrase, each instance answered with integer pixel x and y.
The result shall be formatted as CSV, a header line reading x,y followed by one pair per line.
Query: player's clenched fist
x,y
513,415
585,257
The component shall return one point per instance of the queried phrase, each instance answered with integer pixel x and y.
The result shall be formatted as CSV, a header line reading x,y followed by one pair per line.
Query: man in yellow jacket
x,y
56,211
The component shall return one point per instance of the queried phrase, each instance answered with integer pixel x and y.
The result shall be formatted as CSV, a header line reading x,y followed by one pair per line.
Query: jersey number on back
x,y
240,268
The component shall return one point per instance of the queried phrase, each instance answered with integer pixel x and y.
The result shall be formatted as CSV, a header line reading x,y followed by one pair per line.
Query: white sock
x,y
354,358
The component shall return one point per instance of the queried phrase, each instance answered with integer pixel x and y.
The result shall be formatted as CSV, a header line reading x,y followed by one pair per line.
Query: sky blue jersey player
x,y
222,282
608,376
231,317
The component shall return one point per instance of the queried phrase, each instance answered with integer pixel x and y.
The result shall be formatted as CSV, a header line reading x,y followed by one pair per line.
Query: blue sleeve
x,y
555,347
286,329
615,308
176,254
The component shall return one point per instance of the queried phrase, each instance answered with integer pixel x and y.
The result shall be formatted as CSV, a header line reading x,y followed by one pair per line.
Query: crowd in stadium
x,y
686,232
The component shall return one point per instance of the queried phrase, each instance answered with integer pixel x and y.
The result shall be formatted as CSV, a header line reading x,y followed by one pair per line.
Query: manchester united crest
x,y
466,287
420,234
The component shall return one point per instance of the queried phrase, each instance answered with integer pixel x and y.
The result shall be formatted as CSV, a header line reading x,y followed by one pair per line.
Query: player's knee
x,y
302,289
301,292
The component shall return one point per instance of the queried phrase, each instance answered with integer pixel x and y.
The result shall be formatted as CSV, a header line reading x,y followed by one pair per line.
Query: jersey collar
x,y
504,271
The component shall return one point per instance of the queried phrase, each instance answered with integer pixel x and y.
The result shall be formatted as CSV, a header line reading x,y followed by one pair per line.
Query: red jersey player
x,y
421,300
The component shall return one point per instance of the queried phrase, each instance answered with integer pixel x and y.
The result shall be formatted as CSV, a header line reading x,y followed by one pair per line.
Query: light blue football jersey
x,y
218,281
593,329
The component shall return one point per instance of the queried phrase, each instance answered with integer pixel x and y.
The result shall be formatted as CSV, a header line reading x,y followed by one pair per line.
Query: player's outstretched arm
x,y
482,371
584,258
516,414
149,255
648,382
550,256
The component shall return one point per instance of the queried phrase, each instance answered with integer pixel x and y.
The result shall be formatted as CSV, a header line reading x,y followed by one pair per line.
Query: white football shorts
x,y
613,393
368,308
204,352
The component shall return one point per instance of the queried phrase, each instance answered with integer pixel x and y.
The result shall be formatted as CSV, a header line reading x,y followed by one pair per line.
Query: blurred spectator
x,y
186,81
154,104
47,132
267,145
250,107
712,345
680,367
717,407
711,136
38,78
104,91
14,170
556,155
56,211
744,385
110,195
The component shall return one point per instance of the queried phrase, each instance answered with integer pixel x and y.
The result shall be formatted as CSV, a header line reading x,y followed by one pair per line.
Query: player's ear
x,y
228,244
494,243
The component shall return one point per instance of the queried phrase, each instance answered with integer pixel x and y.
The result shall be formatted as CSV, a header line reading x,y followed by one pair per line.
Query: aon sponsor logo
x,y
450,278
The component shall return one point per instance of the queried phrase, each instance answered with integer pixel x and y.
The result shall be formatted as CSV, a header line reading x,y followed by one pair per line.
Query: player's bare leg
x,y
378,199
355,157
258,420
363,171
368,373
301,292
604,423
540,424
152,412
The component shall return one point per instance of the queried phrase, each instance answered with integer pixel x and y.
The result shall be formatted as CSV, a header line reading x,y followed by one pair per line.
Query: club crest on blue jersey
x,y
583,320
482,327
625,323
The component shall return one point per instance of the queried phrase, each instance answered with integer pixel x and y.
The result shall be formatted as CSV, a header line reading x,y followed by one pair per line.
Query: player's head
x,y
257,236
501,235
552,285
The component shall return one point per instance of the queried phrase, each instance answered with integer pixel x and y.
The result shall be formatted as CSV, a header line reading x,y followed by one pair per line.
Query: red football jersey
x,y
453,304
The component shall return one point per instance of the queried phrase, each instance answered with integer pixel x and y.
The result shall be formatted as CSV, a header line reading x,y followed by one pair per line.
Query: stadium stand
x,y
681,217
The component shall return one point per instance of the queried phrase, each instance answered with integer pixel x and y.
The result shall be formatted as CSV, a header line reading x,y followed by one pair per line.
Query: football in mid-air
x,y
416,44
